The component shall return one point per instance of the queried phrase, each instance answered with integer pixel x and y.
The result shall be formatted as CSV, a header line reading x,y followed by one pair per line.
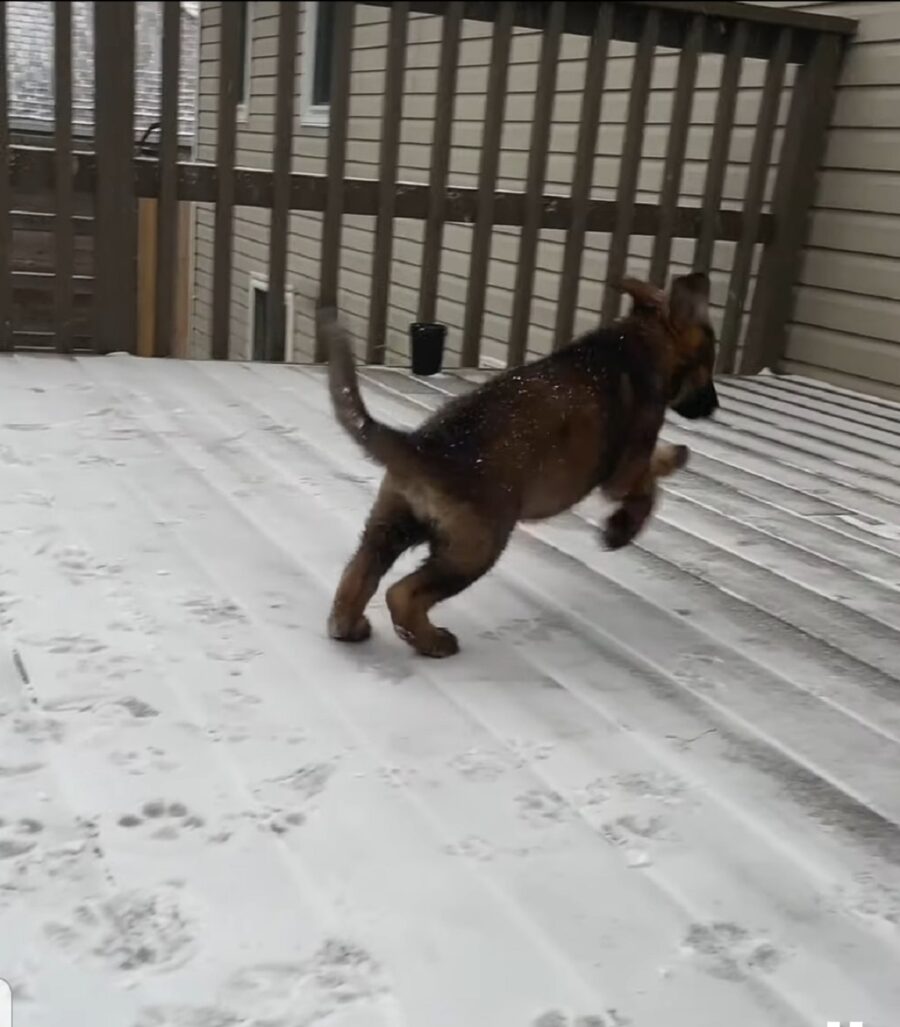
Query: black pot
x,y
426,342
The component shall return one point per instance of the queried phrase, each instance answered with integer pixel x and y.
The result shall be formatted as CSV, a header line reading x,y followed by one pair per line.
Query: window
x,y
318,48
259,321
246,58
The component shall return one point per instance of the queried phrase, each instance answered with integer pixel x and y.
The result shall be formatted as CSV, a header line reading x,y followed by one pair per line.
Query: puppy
x,y
526,445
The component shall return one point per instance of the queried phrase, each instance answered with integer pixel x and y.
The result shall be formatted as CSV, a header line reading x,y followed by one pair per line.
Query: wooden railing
x,y
117,177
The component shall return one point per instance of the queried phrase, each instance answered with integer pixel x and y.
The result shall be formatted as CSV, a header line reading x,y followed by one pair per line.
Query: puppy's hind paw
x,y
441,644
340,631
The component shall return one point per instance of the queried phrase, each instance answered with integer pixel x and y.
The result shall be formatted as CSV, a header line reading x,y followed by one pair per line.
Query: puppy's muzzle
x,y
702,403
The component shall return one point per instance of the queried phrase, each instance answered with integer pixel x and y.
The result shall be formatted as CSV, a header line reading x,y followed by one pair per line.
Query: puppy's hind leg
x,y
455,563
391,529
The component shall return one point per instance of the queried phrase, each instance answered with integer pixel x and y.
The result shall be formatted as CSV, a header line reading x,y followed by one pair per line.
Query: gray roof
x,y
30,51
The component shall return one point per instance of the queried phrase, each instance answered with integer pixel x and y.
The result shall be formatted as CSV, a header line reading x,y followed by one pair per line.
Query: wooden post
x,y
810,115
184,292
391,117
534,187
148,277
166,235
6,335
115,257
229,70
281,167
630,166
753,199
65,238
487,183
337,152
581,179
718,151
440,161
675,151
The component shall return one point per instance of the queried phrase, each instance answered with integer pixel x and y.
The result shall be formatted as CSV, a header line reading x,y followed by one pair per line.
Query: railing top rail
x,y
628,20
780,16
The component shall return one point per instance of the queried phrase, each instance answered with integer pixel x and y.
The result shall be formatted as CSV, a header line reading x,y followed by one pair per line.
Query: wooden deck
x,y
656,787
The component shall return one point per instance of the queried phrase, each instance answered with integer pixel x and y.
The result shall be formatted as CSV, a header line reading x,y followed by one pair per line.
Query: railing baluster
x,y
630,166
581,179
534,189
337,152
440,160
115,255
275,344
682,106
719,146
391,118
167,210
6,334
804,144
753,200
229,71
64,257
487,182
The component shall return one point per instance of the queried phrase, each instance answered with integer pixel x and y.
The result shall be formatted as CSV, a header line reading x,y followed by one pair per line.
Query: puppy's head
x,y
684,315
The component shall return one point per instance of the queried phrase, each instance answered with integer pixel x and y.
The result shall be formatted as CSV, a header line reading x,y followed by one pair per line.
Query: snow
x,y
655,787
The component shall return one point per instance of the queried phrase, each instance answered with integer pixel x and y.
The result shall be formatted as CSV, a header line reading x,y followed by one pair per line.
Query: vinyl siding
x,y
847,310
255,144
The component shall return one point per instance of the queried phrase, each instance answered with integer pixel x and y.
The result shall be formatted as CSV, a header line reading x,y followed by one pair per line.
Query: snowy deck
x,y
659,788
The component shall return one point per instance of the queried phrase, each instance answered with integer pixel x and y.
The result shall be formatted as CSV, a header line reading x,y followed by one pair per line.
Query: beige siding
x,y
846,322
255,147
251,225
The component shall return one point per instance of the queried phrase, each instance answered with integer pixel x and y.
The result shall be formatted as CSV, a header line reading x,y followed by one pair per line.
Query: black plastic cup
x,y
426,341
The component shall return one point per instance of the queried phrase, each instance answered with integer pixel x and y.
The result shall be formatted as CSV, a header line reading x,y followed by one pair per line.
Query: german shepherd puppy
x,y
526,445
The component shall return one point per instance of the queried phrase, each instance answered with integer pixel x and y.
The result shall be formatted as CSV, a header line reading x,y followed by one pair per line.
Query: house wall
x,y
255,143
846,319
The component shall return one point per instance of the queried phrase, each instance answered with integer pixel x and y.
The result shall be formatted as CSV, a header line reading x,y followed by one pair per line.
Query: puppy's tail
x,y
387,446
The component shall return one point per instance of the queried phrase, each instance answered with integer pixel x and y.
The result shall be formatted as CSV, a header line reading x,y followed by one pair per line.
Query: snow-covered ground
x,y
659,788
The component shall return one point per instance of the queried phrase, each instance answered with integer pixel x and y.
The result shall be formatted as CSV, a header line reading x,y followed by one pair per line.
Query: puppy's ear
x,y
689,299
644,295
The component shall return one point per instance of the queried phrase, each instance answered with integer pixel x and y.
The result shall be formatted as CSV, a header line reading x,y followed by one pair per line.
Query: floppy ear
x,y
644,295
689,299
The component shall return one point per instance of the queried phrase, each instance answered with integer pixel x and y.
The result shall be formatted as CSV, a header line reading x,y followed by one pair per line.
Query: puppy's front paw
x,y
668,459
620,529
680,457
623,524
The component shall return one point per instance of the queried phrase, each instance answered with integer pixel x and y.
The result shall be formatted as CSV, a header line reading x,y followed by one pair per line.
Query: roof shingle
x,y
30,64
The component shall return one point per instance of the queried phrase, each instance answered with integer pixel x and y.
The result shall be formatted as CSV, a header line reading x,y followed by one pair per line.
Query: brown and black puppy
x,y
526,445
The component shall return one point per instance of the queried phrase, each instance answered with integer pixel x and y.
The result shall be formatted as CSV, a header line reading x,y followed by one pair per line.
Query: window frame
x,y
243,105
311,115
258,283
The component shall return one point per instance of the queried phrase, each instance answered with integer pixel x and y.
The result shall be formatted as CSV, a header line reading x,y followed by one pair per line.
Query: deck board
x,y
657,786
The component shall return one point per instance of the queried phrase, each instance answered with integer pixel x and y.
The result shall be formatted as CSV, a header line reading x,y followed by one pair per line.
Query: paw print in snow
x,y
729,951
542,807
164,821
135,930
18,837
658,785
555,1018
211,611
273,820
